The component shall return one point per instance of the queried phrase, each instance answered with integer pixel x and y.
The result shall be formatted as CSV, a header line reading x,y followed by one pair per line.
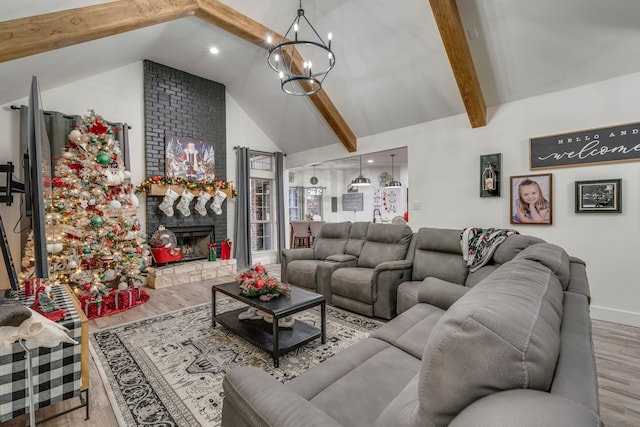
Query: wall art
x,y
602,196
531,199
189,158
490,167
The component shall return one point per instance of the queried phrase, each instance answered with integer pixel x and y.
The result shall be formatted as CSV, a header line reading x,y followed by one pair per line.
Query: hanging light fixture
x,y
360,180
393,183
316,54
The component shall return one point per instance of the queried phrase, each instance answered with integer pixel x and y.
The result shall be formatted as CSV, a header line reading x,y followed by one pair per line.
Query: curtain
x,y
242,234
280,204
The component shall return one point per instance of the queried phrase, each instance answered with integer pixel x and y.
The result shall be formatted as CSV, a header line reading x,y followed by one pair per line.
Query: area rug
x,y
168,370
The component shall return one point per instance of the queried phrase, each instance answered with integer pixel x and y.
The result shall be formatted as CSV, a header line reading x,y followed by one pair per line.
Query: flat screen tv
x,y
37,177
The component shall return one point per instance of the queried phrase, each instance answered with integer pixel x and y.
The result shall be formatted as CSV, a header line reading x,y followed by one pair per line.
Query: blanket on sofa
x,y
478,244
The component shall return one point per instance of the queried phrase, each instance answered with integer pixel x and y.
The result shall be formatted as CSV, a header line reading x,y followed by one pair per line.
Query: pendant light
x,y
360,180
393,183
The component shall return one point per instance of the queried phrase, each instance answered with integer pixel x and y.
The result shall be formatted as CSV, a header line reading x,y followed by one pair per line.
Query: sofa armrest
x,y
289,255
440,293
254,398
385,279
528,408
341,258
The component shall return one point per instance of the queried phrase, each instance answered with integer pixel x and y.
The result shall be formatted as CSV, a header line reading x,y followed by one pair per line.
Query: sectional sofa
x,y
507,345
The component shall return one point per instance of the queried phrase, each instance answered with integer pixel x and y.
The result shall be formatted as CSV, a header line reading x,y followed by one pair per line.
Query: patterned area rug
x,y
167,370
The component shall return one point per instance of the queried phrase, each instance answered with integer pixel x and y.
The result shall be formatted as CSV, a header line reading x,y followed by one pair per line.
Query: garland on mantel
x,y
208,186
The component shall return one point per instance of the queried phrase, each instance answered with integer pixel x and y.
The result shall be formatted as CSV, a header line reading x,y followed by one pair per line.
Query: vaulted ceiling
x,y
397,63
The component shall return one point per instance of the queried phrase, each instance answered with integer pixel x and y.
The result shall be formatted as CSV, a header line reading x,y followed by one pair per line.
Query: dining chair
x,y
300,234
314,227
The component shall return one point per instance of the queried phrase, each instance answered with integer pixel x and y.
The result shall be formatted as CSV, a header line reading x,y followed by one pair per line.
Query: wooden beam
x,y
455,43
37,34
246,28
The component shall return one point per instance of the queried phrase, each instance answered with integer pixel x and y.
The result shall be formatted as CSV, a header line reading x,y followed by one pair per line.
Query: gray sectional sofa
x,y
507,345
515,349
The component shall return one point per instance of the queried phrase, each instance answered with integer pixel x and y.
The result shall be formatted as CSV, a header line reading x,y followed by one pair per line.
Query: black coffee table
x,y
270,337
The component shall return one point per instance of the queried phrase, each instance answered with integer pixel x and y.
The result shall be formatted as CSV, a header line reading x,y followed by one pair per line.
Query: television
x,y
37,177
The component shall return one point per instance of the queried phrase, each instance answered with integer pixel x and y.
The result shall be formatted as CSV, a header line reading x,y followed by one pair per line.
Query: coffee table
x,y
270,337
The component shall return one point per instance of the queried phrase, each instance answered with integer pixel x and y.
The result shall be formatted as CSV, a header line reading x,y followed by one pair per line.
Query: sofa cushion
x,y
302,272
409,331
354,386
511,321
357,234
385,242
353,283
331,239
438,254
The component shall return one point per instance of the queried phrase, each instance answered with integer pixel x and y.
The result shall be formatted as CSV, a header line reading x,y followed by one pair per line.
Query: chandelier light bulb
x,y
310,65
269,39
330,36
295,27
305,65
277,57
330,55
281,75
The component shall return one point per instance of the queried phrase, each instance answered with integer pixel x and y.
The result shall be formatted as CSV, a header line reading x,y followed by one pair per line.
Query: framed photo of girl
x,y
531,199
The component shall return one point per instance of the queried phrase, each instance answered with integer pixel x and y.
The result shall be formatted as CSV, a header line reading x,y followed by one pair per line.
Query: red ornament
x,y
86,286
259,269
98,128
57,182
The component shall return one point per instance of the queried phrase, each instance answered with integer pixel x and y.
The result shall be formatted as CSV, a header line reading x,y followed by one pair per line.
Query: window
x,y
260,162
295,204
262,219
313,201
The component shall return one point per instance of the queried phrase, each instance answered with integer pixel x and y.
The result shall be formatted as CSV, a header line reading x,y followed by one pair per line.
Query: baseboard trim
x,y
617,316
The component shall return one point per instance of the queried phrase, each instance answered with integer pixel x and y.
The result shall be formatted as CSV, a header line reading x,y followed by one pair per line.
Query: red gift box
x,y
225,250
30,285
125,299
91,308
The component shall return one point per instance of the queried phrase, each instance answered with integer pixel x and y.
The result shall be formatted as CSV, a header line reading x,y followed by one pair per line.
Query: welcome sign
x,y
603,145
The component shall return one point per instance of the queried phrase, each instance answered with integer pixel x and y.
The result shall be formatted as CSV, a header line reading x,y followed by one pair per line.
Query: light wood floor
x,y
617,349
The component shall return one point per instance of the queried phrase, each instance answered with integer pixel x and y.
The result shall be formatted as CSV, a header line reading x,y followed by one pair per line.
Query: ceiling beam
x,y
244,27
455,43
42,33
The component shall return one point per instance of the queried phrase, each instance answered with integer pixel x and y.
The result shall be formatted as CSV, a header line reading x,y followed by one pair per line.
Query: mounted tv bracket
x,y
6,191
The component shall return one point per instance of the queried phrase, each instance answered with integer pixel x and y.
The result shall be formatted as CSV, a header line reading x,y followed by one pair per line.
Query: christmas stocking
x,y
183,204
167,203
218,199
201,204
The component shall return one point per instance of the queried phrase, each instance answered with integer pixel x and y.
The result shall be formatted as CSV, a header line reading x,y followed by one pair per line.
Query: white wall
x,y
444,173
117,95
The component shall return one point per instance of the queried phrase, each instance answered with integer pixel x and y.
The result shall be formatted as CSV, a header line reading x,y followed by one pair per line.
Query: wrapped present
x,y
225,250
126,298
30,285
92,307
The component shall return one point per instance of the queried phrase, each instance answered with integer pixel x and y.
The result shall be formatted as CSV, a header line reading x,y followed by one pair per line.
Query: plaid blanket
x,y
478,244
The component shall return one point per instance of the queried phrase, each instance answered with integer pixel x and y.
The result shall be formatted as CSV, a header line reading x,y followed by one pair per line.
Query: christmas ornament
x,y
72,263
97,221
115,204
111,235
123,286
93,140
86,287
84,181
75,135
67,155
86,251
103,158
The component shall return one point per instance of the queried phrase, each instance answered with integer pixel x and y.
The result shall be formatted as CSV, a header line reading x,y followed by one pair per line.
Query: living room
x,y
442,171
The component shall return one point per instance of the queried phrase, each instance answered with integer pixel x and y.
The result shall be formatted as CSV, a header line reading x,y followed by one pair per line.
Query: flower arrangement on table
x,y
209,186
255,282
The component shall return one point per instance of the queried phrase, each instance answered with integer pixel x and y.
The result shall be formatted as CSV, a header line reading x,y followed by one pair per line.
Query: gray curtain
x,y
280,203
242,234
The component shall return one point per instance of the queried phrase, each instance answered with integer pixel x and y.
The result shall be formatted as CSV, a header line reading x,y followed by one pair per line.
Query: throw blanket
x,y
478,244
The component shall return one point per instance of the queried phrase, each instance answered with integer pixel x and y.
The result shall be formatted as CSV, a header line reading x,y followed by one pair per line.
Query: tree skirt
x,y
168,370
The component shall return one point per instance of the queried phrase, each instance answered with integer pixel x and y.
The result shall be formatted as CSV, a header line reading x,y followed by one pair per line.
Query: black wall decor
x,y
490,169
587,147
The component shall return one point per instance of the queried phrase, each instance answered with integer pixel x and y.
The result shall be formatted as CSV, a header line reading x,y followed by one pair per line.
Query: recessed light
x,y
214,50
370,161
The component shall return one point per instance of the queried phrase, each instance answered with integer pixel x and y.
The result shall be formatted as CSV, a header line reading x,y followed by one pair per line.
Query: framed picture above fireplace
x,y
189,158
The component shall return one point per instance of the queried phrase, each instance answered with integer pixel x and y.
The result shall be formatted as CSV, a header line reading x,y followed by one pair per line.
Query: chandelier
x,y
393,183
306,48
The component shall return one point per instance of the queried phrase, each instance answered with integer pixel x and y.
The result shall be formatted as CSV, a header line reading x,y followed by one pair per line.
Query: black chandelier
x,y
316,55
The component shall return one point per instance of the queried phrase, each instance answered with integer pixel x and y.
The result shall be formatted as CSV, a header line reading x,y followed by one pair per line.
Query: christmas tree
x,y
94,240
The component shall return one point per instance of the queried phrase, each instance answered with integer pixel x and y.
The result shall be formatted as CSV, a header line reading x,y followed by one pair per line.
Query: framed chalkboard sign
x,y
619,143
352,202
